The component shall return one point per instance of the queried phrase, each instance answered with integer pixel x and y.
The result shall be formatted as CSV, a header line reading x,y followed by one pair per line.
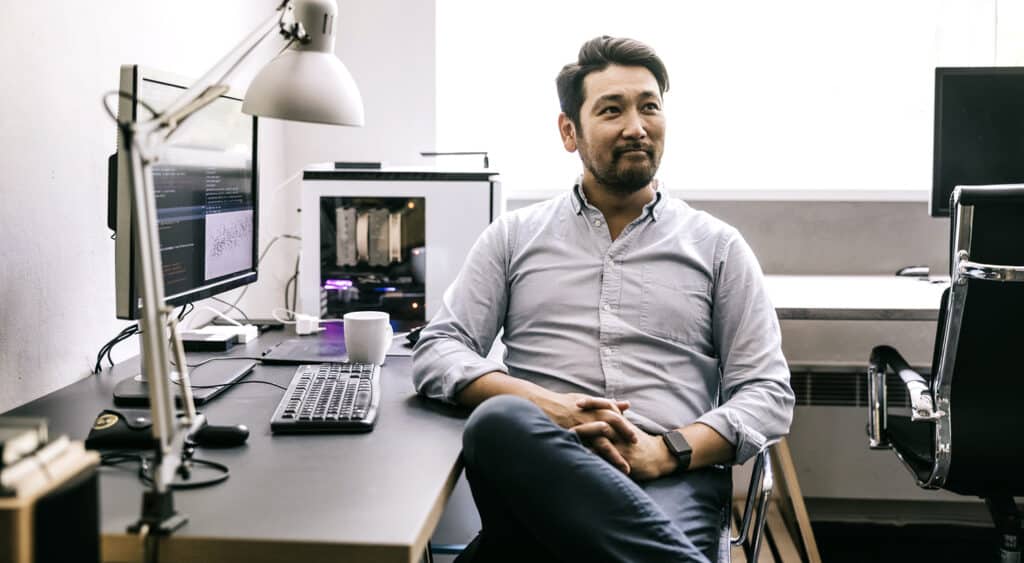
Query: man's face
x,y
622,128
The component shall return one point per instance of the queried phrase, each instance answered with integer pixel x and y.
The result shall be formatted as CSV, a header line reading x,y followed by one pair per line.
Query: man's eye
x,y
608,110
651,107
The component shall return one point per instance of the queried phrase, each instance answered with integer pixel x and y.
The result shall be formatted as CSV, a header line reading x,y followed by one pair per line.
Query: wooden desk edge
x,y
126,548
436,511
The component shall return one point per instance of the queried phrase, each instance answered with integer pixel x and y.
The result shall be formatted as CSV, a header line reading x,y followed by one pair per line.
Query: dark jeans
x,y
543,496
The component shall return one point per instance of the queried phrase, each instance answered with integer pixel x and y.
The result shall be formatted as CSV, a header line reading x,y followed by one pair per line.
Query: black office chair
x,y
750,529
965,430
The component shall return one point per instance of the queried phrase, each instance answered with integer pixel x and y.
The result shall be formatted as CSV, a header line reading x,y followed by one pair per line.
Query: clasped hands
x,y
602,428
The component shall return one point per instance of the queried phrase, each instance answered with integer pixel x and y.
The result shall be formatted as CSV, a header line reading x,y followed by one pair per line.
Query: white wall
x,y
57,277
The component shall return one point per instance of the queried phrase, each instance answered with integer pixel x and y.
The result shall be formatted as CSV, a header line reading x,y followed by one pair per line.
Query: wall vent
x,y
842,389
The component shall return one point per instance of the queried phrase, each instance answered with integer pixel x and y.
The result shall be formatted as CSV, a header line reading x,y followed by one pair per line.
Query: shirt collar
x,y
653,208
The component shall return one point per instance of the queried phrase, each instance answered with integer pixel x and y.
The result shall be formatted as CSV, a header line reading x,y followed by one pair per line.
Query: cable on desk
x,y
218,359
144,472
126,333
239,383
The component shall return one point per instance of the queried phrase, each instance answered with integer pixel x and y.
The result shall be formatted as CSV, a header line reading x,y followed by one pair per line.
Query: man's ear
x,y
567,129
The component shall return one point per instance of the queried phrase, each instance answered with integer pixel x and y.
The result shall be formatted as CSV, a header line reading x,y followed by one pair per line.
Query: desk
x,y
855,298
365,497
312,498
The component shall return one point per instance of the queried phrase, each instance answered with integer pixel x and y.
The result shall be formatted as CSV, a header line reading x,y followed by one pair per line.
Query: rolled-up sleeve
x,y
452,348
758,400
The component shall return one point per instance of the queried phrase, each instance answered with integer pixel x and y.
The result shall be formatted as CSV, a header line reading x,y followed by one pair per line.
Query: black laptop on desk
x,y
329,346
296,351
208,381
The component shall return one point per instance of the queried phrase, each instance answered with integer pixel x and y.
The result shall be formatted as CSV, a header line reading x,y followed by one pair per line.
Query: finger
x,y
603,447
623,428
595,403
594,429
623,405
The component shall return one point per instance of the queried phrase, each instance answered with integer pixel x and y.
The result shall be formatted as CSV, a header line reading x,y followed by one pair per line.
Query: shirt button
x,y
606,307
607,351
597,222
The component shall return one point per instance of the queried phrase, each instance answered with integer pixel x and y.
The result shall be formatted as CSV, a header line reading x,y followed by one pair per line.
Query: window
x,y
767,98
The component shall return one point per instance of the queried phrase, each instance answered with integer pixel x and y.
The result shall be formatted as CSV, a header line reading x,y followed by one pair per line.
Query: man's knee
x,y
497,423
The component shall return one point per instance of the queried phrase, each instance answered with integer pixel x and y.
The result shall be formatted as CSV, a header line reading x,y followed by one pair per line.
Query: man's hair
x,y
595,55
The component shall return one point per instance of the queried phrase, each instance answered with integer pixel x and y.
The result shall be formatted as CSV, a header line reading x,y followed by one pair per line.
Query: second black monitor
x,y
979,130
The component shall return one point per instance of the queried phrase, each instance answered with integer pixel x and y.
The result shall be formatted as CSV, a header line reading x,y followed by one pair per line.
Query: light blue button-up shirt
x,y
672,315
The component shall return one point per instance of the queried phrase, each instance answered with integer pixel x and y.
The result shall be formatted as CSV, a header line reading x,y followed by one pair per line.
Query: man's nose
x,y
634,128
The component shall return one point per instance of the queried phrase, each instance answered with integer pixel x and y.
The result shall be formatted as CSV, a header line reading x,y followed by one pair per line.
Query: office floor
x,y
841,542
877,543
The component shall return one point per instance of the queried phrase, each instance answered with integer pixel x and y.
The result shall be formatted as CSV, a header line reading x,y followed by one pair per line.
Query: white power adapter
x,y
245,333
306,324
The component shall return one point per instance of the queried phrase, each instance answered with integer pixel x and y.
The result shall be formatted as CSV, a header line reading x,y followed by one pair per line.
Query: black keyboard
x,y
335,397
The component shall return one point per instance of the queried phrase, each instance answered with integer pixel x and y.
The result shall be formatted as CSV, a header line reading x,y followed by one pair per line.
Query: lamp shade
x,y
307,82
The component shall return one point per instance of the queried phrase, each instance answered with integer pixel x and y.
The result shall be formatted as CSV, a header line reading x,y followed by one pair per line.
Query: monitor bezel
x,y
128,300
939,206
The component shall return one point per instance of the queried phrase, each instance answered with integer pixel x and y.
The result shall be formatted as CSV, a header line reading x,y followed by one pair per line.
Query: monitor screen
x,y
979,130
205,183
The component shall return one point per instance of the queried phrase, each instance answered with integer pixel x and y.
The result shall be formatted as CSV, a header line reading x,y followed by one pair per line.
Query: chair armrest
x,y
922,405
758,494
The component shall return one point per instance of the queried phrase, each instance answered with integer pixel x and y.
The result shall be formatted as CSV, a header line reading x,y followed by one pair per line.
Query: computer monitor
x,y
205,182
979,130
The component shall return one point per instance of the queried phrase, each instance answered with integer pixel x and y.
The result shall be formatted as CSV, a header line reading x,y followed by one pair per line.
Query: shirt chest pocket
x,y
675,308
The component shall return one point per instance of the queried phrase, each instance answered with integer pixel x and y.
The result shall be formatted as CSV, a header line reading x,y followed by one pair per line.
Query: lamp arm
x,y
212,84
142,138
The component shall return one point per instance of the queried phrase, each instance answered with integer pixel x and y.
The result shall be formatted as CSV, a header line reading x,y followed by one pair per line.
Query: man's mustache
x,y
619,151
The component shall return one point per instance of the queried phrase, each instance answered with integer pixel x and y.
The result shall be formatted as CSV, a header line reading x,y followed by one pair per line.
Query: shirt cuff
x,y
745,439
459,376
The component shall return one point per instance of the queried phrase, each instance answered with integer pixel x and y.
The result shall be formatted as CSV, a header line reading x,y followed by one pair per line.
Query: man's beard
x,y
628,181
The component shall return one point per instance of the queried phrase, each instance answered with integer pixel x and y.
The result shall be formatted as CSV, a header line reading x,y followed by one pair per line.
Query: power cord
x,y
145,473
259,261
126,333
304,324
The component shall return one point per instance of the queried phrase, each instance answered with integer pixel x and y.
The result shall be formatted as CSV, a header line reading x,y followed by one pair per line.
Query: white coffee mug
x,y
368,336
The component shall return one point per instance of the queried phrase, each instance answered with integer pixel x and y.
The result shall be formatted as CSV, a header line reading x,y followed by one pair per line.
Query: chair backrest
x,y
980,365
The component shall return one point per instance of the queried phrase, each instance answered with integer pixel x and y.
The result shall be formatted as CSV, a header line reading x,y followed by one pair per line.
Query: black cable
x,y
295,286
259,261
118,458
217,359
126,95
239,383
129,331
106,349
287,286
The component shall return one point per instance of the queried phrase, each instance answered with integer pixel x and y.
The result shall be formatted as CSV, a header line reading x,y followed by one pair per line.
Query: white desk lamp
x,y
305,82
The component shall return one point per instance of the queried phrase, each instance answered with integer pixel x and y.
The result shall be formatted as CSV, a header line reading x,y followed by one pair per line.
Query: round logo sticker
x,y
104,421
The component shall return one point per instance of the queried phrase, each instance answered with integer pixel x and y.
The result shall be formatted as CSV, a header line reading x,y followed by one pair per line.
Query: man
x,y
642,349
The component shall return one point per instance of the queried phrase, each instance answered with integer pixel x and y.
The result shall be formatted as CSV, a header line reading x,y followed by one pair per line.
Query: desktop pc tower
x,y
388,239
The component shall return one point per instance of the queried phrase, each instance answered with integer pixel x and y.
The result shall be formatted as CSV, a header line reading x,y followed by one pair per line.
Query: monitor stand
x,y
134,391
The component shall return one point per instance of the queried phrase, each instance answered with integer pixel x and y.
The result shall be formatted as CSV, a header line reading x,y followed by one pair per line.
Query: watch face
x,y
679,447
677,443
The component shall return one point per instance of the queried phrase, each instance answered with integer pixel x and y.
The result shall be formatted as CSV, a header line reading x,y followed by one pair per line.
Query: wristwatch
x,y
678,447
